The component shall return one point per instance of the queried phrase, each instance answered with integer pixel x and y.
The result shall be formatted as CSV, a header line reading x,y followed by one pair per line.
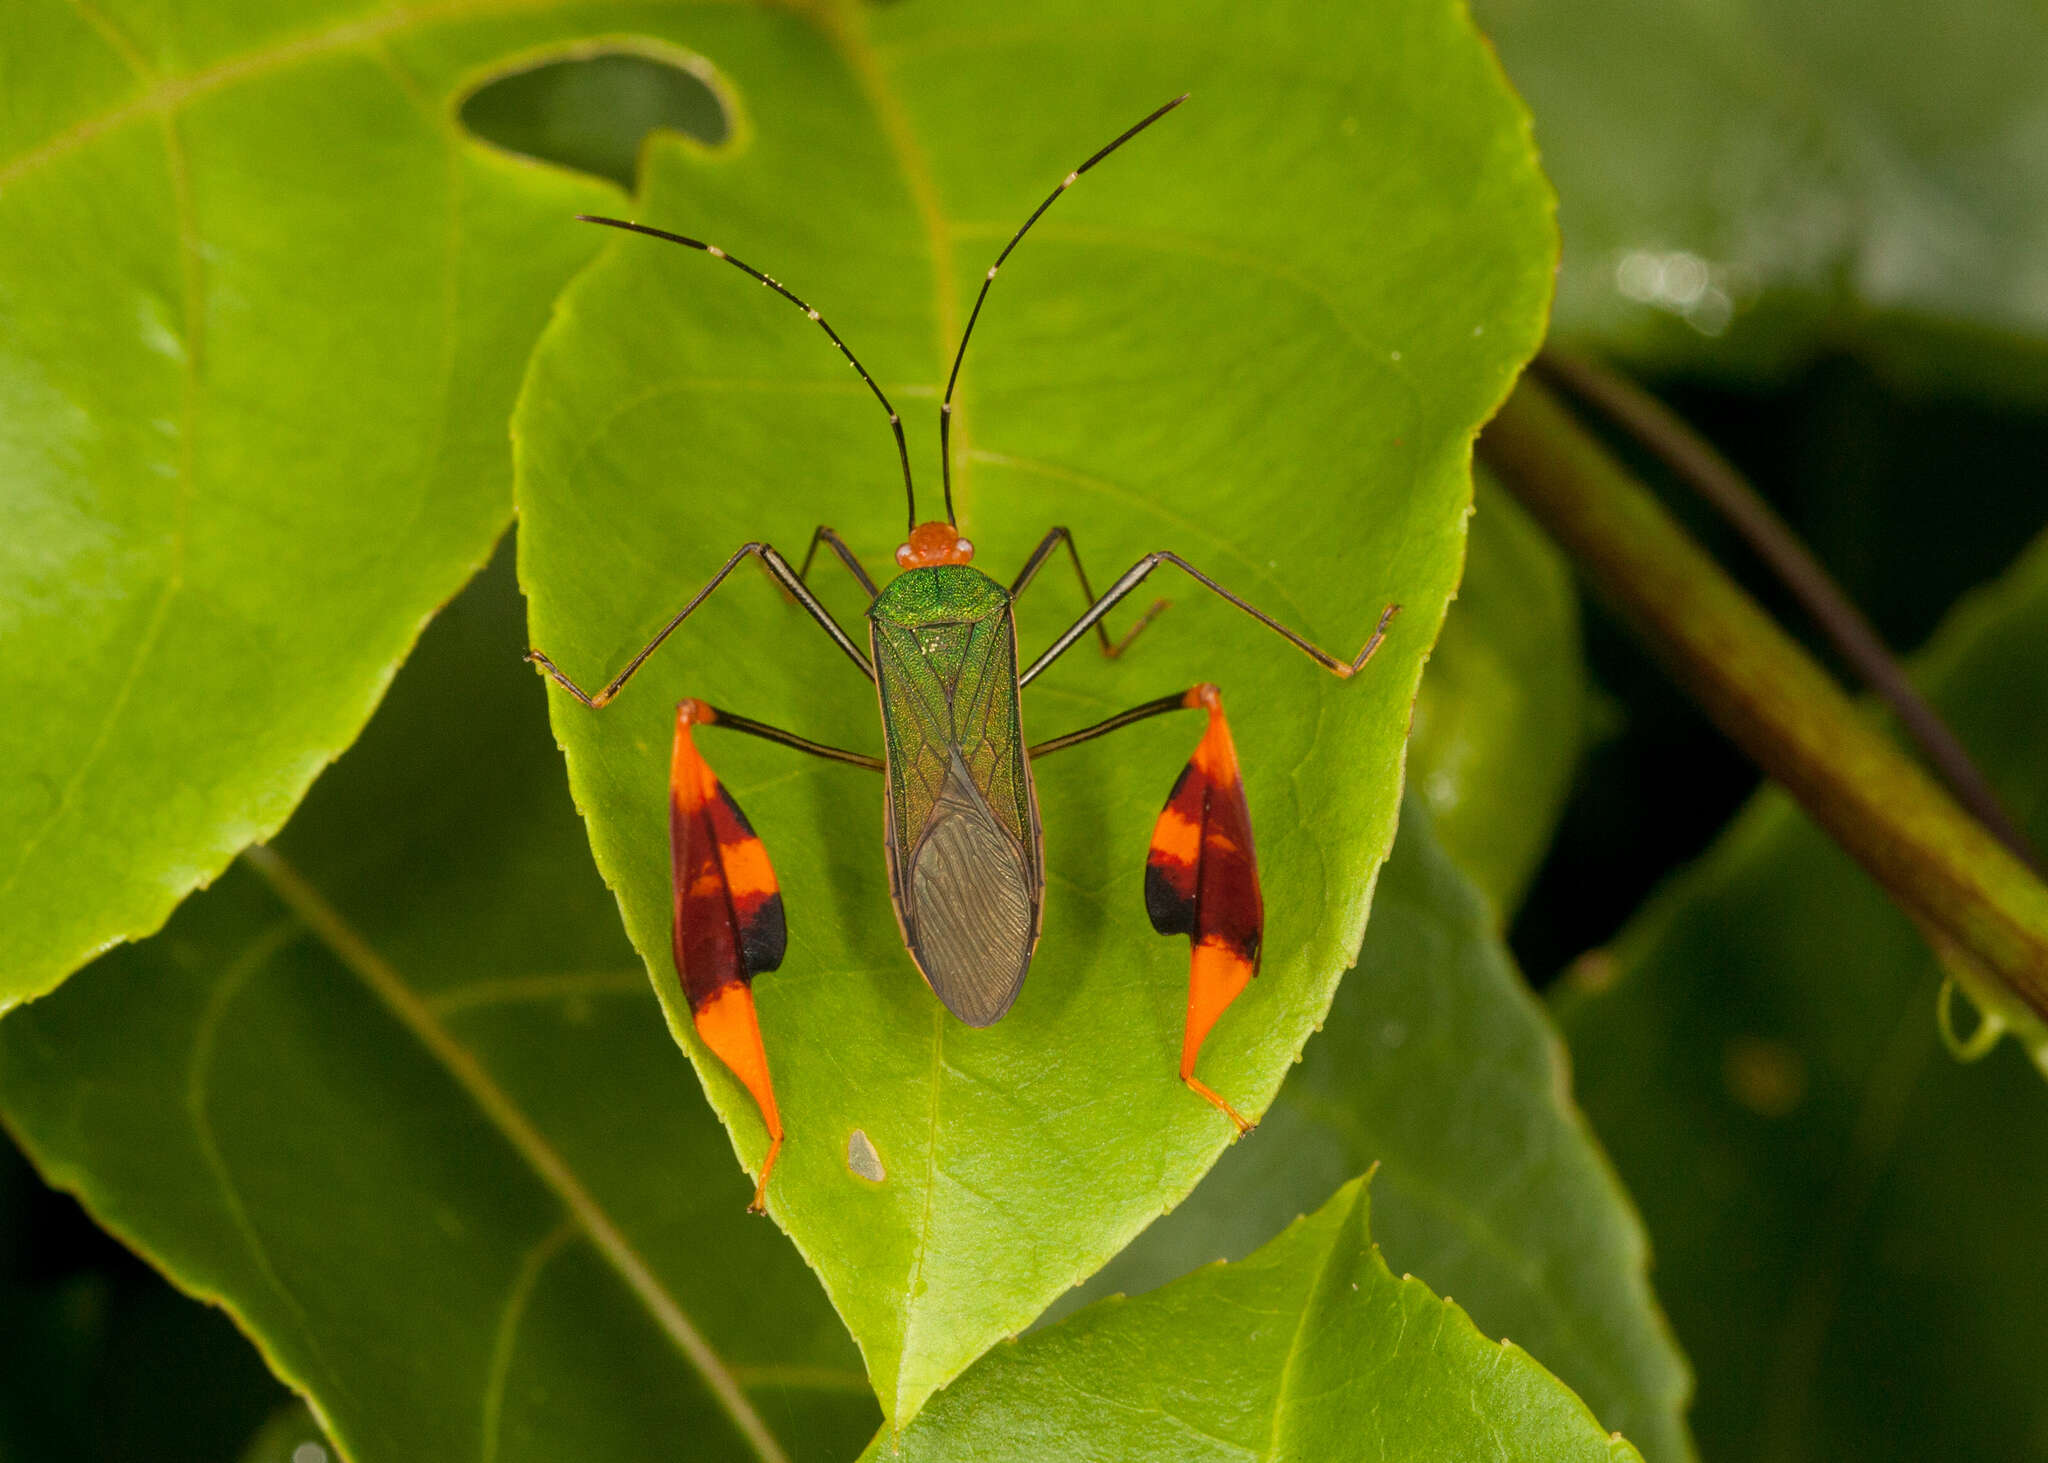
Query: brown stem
x,y
1772,699
1714,478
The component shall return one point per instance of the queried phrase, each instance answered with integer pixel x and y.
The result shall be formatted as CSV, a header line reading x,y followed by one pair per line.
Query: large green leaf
x,y
1844,1217
1309,1349
1501,715
1437,1065
263,309
1261,336
1744,184
395,1095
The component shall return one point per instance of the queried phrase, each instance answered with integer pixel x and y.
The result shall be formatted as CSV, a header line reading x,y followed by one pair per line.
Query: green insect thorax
x,y
944,621
944,592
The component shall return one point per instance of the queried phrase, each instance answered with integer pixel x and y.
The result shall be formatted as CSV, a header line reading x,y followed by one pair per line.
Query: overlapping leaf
x,y
263,310
1261,336
394,1094
1840,1210
1308,1349
1438,1066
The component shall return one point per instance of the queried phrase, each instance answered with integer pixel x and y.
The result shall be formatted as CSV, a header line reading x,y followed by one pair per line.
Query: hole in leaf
x,y
591,111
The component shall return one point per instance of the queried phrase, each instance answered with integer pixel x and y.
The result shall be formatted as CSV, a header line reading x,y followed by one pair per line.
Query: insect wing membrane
x,y
966,869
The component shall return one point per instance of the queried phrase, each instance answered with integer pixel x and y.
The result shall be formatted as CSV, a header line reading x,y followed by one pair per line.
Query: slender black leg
x,y
1037,561
826,536
1135,575
709,715
1178,701
776,565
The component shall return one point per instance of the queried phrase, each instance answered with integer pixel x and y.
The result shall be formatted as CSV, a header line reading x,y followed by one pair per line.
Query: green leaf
x,y
1309,1349
1499,722
1746,185
1438,1066
1839,1209
263,309
1261,335
395,1095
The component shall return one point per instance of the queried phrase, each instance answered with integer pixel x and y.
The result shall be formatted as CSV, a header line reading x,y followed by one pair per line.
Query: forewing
x,y
988,731
963,832
946,689
917,726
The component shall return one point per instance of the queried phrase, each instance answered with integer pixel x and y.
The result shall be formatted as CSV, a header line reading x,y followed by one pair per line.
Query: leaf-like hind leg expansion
x,y
1201,874
729,924
729,921
1110,649
778,569
1202,880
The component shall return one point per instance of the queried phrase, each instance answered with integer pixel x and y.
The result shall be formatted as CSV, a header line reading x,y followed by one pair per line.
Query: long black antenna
x,y
946,407
895,422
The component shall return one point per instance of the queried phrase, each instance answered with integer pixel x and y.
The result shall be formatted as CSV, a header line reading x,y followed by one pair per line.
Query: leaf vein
x,y
1324,1273
504,1339
549,1167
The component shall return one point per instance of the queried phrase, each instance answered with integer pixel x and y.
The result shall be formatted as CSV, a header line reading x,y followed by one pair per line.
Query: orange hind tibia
x,y
1202,881
729,924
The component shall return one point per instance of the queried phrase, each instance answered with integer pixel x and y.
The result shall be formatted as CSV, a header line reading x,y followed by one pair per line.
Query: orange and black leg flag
x,y
729,925
1202,881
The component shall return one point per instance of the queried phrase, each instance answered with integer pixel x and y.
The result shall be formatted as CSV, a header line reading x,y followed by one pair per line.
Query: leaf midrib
x,y
413,1012
849,40
1309,1301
